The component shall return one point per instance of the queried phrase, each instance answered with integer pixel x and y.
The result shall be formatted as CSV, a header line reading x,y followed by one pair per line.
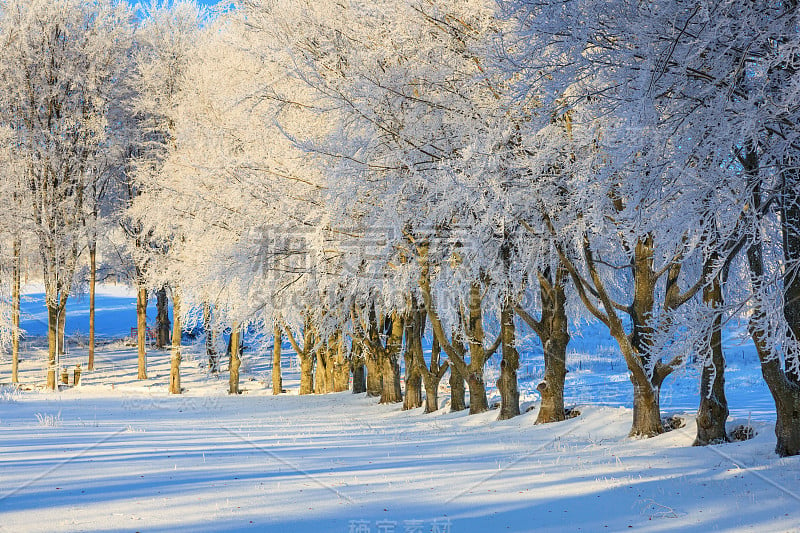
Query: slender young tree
x,y
175,360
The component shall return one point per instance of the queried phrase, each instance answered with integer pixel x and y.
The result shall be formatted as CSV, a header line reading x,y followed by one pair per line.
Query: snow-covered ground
x,y
117,454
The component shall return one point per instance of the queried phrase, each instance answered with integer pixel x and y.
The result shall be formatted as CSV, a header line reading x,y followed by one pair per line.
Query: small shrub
x,y
49,421
9,394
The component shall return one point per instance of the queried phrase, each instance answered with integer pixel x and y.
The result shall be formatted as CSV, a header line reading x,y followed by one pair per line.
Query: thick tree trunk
x,y
15,313
457,391
52,339
431,383
235,360
787,408
358,368
341,375
306,373
432,376
321,373
646,389
551,388
306,356
790,231
373,373
141,332
211,340
553,333
413,352
175,363
646,409
162,319
413,394
785,392
359,378
391,391
277,339
341,367
92,288
507,382
477,354
713,410
478,403
330,367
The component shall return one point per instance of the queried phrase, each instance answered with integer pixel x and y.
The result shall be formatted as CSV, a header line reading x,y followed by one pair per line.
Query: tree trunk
x,y
306,356
787,425
431,393
277,339
373,373
358,368
412,354
553,333
162,319
330,366
341,375
15,313
713,410
646,409
359,378
413,394
321,373
457,391
341,367
141,332
790,231
478,403
306,373
390,365
785,392
473,331
646,389
432,376
477,355
211,340
175,363
92,288
62,337
551,388
52,339
390,380
235,360
507,382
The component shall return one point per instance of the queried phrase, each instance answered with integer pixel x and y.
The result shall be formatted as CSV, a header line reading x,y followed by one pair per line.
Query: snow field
x,y
117,454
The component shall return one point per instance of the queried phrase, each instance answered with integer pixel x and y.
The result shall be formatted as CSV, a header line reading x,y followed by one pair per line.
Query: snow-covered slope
x,y
116,454
120,454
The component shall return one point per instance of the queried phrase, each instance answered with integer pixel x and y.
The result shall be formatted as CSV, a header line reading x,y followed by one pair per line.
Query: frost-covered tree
x,y
417,118
674,104
59,61
14,227
233,184
164,43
